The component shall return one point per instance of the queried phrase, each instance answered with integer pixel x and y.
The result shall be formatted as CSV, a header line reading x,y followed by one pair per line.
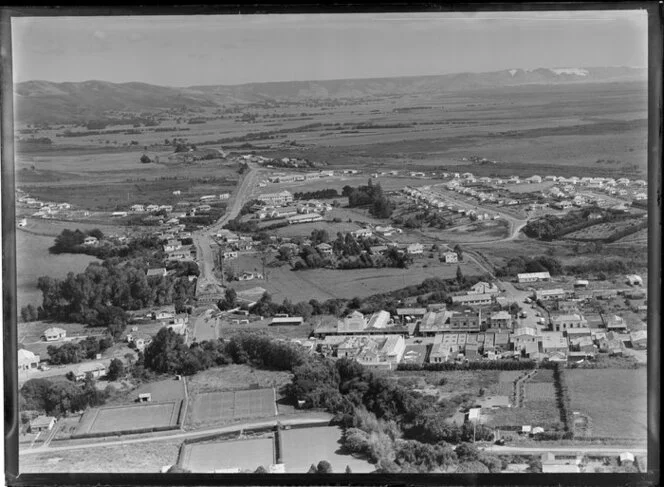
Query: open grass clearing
x,y
234,377
246,455
615,400
323,284
127,458
303,447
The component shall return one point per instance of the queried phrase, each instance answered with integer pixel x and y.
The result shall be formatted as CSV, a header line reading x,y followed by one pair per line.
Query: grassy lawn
x,y
246,455
615,399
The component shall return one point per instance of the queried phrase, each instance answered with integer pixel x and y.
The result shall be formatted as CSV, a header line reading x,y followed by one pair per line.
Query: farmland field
x,y
247,455
225,406
615,400
324,284
126,418
305,446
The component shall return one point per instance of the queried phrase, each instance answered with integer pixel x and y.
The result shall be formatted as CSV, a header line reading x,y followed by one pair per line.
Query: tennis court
x,y
228,405
129,418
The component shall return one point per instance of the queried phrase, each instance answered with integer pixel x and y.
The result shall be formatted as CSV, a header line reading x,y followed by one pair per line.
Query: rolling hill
x,y
44,101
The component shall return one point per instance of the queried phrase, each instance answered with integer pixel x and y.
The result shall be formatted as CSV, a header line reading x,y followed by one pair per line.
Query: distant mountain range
x,y
45,101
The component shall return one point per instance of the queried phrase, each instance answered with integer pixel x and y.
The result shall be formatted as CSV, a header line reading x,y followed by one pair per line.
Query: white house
x,y
533,276
137,208
90,241
415,249
451,257
54,333
27,360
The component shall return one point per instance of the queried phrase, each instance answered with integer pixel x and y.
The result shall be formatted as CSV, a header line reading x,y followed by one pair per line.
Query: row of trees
x,y
475,365
71,242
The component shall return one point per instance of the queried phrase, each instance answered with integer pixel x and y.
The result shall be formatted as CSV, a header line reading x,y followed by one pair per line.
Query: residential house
x,y
535,179
27,360
483,288
230,254
172,245
159,271
137,208
533,276
97,370
42,423
362,232
583,344
415,249
566,322
324,248
451,257
163,314
54,333
615,323
90,241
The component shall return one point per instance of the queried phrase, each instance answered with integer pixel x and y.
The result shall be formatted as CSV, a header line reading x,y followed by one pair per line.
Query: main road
x,y
203,240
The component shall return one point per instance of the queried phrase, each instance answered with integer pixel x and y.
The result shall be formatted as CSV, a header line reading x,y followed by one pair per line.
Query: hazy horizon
x,y
230,50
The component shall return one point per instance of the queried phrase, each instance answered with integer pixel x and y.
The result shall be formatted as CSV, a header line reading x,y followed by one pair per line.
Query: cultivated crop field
x,y
615,400
128,418
247,455
225,406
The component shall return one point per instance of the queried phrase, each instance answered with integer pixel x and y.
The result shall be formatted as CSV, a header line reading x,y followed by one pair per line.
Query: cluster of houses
x,y
167,318
46,209
281,205
562,196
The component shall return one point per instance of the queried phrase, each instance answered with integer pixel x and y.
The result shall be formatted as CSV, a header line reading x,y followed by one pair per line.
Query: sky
x,y
234,49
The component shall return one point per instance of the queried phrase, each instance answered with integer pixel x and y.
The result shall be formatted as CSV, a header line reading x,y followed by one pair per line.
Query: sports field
x,y
303,447
228,405
242,454
129,418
